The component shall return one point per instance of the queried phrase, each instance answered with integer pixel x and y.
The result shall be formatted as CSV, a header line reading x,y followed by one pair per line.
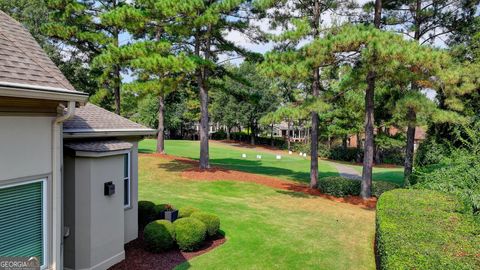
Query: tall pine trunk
x,y
228,133
411,114
116,71
410,148
271,135
359,148
315,94
161,126
366,186
202,77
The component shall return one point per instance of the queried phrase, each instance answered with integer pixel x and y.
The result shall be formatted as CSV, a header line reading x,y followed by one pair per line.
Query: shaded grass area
x,y
290,167
265,228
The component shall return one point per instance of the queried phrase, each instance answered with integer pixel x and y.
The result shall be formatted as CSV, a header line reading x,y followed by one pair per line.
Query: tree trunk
x,y
161,126
203,91
344,142
412,119
271,136
315,94
366,186
369,143
116,70
359,147
228,133
252,133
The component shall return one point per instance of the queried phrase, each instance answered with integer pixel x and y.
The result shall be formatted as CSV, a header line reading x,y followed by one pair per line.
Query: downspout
x,y
57,201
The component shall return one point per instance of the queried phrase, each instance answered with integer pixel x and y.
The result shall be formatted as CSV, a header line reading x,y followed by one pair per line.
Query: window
x,y
23,220
126,180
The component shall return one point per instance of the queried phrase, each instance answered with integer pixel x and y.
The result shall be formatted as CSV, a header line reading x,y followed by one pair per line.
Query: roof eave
x,y
95,133
42,93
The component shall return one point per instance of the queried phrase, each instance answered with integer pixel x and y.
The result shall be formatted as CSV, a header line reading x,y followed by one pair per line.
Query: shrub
x,y
190,233
212,222
379,187
146,212
430,152
159,235
186,211
350,154
339,186
458,175
423,229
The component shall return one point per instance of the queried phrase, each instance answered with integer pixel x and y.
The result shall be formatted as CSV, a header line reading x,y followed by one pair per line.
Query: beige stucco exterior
x,y
99,225
26,155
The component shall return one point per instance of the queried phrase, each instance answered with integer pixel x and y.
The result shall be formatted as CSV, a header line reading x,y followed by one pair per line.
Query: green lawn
x,y
265,228
290,167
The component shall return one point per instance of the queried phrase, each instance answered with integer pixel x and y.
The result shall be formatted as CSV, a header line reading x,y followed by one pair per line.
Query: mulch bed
x,y
217,173
138,258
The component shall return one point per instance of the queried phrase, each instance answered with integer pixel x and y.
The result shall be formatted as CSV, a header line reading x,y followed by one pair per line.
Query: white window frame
x,y
44,214
129,179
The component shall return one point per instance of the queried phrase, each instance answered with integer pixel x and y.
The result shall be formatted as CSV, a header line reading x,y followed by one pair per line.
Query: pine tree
x,y
425,21
300,20
153,57
76,24
200,27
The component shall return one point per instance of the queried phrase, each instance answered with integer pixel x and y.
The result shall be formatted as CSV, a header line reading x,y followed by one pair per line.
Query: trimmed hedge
x,y
211,221
159,235
341,187
186,211
146,213
423,229
190,233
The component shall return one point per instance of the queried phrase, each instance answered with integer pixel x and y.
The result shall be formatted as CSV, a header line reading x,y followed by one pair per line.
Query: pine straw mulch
x,y
138,258
218,173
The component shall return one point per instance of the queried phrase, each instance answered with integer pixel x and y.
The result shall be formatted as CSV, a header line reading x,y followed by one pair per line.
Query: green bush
x,y
190,233
458,175
212,222
430,152
159,235
146,212
350,154
186,211
379,187
339,186
424,229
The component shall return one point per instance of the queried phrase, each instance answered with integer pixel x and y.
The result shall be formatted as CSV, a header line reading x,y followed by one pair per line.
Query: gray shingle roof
x,y
99,146
23,61
91,118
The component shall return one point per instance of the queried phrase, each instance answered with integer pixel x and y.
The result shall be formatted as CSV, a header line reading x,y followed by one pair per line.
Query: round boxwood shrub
x,y
159,235
211,221
190,233
146,212
339,186
186,211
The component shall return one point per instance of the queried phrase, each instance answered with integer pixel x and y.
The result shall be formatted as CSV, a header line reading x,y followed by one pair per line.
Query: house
x,y
68,169
420,136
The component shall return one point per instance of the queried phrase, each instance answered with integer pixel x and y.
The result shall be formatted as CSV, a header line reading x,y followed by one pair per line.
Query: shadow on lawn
x,y
254,166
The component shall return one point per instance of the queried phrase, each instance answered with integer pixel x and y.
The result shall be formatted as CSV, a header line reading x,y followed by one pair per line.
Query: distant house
x,y
68,169
297,133
420,135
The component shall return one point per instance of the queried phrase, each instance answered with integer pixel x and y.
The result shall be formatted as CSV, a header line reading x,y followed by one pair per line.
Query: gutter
x,y
57,201
90,133
40,92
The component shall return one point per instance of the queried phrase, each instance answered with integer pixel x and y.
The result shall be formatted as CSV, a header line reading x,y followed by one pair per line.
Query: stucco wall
x,y
97,226
26,146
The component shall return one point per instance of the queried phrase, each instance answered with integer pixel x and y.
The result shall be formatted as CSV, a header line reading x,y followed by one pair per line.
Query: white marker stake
x,y
289,152
244,155
279,157
304,154
300,154
259,157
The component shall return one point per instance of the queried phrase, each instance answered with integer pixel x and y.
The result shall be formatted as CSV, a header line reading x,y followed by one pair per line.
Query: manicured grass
x,y
290,167
265,228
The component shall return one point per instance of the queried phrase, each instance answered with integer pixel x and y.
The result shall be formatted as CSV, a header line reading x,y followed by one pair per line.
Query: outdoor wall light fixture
x,y
109,188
